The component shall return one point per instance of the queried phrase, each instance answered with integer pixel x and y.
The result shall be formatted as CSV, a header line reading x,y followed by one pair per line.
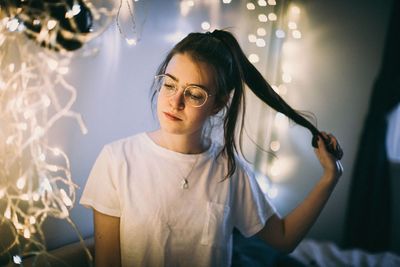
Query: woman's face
x,y
176,116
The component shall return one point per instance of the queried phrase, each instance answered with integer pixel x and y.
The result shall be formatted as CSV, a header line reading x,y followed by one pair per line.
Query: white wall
x,y
342,60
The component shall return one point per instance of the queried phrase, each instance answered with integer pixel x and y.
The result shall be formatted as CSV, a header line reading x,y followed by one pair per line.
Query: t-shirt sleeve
x,y
101,189
251,207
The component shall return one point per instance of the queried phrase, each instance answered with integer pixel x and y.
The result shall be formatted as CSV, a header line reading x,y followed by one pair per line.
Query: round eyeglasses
x,y
193,95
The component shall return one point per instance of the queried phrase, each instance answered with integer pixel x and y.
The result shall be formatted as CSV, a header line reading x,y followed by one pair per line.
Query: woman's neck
x,y
186,144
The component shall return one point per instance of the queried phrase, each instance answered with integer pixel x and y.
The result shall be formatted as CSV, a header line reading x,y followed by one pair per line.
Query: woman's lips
x,y
171,117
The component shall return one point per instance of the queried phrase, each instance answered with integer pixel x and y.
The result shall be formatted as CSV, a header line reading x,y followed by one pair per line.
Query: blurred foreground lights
x,y
295,10
272,16
260,42
262,18
261,32
281,121
296,34
131,41
286,78
51,24
12,25
280,33
254,58
205,25
17,259
250,6
262,3
282,89
292,25
272,192
226,1
185,6
252,38
275,146
271,2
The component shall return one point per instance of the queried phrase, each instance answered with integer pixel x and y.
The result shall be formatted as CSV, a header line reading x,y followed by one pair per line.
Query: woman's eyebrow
x,y
190,84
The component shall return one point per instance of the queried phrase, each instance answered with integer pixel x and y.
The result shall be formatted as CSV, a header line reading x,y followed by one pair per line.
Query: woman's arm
x,y
106,238
286,233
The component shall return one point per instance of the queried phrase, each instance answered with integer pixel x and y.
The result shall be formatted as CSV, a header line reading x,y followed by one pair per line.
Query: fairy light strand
x,y
35,177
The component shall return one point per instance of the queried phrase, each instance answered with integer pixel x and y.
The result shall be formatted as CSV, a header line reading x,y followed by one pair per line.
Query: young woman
x,y
172,197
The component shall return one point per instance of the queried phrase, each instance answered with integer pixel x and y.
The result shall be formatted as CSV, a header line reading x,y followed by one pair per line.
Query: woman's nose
x,y
177,100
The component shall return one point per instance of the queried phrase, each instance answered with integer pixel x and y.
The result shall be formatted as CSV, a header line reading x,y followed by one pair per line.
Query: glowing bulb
x,y
250,6
10,140
28,114
272,16
296,34
52,168
65,198
21,182
280,33
261,32
262,18
275,169
292,25
76,9
63,70
260,42
205,25
35,196
295,10
226,1
24,197
38,132
27,233
42,157
32,220
262,3
36,22
56,151
7,213
253,58
11,67
271,2
131,41
280,120
282,89
46,100
51,24
17,259
286,78
12,25
273,192
252,38
275,146
53,64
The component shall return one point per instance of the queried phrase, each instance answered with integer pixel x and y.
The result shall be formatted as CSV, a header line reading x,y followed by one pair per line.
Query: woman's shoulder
x,y
126,144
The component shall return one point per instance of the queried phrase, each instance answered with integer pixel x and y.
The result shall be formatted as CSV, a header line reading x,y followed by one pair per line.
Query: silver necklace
x,y
185,181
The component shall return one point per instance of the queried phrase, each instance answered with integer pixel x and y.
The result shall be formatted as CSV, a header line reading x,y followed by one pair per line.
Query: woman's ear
x,y
220,105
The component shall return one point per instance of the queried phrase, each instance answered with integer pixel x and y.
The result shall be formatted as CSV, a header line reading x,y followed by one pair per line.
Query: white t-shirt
x,y
162,224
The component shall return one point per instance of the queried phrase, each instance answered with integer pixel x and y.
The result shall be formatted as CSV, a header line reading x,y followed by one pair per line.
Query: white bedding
x,y
327,254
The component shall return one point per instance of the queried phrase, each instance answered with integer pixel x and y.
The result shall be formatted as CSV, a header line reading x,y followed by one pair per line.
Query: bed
x,y
253,252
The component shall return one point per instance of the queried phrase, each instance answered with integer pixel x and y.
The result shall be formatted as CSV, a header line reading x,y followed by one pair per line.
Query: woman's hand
x,y
333,168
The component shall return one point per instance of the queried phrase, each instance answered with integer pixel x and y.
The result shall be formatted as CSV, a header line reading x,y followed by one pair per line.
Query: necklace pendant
x,y
184,184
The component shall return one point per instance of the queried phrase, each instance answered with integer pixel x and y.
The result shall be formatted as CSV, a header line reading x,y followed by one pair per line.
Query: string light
x,y
254,58
250,6
34,95
205,25
262,18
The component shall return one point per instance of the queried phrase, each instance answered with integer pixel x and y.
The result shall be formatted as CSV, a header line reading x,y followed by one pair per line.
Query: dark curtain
x,y
368,221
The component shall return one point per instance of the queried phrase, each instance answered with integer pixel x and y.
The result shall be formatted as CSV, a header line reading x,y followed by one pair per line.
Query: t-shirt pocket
x,y
216,229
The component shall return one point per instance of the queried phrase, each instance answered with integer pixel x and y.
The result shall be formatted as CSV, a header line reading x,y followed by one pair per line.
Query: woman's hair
x,y
221,51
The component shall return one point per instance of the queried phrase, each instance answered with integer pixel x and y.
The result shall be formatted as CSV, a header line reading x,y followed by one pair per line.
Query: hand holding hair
x,y
331,144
